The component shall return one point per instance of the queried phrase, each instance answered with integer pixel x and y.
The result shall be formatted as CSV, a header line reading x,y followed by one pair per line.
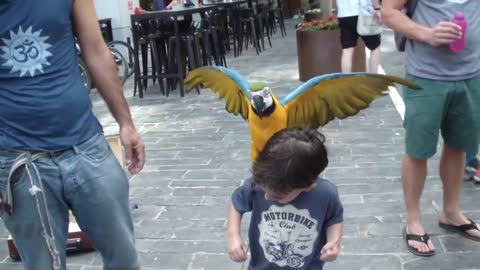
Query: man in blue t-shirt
x,y
297,217
53,155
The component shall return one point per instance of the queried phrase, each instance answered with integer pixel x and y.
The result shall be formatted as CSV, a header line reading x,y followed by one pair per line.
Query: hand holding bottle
x,y
443,33
459,44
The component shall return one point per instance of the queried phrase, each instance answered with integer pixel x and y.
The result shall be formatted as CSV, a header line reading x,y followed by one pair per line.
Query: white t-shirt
x,y
347,8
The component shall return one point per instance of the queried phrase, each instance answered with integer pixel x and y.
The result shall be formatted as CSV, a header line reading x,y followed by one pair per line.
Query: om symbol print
x,y
26,52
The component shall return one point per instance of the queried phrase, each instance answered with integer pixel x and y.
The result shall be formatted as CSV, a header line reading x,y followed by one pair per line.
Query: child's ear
x,y
311,187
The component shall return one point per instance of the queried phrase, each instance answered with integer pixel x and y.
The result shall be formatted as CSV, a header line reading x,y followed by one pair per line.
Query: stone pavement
x,y
197,154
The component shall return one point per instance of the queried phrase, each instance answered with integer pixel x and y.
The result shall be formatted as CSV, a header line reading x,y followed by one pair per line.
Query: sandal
x,y
419,238
462,229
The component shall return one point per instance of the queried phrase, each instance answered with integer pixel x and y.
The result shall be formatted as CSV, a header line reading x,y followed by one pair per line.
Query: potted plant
x,y
319,50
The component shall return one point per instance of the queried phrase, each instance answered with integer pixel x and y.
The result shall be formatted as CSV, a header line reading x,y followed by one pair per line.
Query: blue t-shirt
x,y
43,102
289,236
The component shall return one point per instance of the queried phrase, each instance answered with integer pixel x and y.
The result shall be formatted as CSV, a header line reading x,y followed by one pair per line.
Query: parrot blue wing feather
x,y
238,78
312,82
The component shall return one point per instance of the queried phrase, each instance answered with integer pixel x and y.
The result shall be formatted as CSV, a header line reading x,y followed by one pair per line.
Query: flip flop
x,y
462,229
419,238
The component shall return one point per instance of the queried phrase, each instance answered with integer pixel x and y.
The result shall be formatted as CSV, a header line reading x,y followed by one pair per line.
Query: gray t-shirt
x,y
440,63
289,236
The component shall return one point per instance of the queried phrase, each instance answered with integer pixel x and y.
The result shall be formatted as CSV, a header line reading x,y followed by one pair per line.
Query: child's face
x,y
285,198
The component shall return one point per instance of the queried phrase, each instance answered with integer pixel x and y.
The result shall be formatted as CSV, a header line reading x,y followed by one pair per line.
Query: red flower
x,y
315,22
325,21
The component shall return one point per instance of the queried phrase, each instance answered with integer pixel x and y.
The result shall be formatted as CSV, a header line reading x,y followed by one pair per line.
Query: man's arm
x,y
100,62
376,7
393,17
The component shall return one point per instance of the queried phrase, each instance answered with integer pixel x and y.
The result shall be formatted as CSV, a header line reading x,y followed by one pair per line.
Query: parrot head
x,y
261,99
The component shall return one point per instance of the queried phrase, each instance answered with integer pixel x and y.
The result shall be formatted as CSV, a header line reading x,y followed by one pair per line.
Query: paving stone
x,y
181,246
455,243
213,262
162,261
377,245
168,174
457,261
363,262
11,266
217,174
183,183
168,200
216,191
217,200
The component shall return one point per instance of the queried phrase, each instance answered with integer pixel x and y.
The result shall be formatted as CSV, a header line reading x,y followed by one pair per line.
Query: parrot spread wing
x,y
340,95
227,83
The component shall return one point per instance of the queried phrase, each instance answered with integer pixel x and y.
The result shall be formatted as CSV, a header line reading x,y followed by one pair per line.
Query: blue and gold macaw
x,y
313,104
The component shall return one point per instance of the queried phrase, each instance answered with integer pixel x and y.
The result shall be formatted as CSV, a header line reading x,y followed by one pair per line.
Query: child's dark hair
x,y
291,159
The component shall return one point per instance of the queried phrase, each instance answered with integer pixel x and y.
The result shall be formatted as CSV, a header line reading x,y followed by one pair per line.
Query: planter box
x,y
319,52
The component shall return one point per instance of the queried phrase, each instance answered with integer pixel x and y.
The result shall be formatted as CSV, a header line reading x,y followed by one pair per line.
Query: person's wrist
x,y
233,233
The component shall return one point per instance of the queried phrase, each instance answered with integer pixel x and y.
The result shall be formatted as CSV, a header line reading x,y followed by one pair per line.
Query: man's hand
x,y
444,33
329,252
237,250
134,149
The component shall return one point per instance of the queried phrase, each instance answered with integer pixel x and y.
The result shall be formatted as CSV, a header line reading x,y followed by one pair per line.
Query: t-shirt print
x,y
287,235
25,51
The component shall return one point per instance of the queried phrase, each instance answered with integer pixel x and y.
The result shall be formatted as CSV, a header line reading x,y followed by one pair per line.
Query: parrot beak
x,y
258,105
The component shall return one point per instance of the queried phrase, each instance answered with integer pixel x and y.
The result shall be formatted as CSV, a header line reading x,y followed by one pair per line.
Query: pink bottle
x,y
459,44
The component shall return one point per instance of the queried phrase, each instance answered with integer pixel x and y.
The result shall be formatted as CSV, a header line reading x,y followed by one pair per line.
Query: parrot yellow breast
x,y
261,129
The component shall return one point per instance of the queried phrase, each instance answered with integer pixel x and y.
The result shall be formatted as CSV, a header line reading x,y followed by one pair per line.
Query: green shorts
x,y
452,107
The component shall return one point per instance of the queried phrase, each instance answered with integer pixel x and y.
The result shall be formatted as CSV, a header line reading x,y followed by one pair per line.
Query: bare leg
x,y
374,61
347,59
452,164
414,172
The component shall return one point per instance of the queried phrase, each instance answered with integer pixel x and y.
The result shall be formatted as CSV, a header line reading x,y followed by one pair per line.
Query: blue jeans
x,y
88,180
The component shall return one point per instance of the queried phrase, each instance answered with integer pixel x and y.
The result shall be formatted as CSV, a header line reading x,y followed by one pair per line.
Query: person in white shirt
x,y
347,13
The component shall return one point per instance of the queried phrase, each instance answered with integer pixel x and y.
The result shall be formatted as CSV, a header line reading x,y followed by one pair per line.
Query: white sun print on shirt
x,y
26,52
287,235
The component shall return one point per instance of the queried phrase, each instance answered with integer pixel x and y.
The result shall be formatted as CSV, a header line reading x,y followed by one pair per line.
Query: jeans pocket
x,y
95,149
6,162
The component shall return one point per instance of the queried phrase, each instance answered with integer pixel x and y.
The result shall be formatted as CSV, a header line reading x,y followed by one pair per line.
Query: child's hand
x,y
329,252
237,250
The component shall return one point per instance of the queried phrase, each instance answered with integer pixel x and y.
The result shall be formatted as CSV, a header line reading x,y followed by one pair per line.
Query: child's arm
x,y
331,249
237,250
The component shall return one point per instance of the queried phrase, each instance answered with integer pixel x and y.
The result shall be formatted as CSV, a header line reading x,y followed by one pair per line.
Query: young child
x,y
297,217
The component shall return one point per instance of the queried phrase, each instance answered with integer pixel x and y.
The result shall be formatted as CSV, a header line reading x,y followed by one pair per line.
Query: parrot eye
x,y
266,91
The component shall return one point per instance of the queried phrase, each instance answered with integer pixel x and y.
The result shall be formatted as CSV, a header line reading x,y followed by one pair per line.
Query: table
x,y
223,3
166,14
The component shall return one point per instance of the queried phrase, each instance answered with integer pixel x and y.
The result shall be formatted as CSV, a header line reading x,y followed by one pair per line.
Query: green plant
x,y
320,25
